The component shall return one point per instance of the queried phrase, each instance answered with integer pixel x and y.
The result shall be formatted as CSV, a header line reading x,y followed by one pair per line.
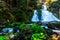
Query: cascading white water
x,y
47,16
35,16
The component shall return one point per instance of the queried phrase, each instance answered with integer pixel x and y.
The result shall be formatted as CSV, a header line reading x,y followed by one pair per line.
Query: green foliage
x,y
38,32
30,30
13,24
34,31
22,25
37,28
1,9
38,36
3,38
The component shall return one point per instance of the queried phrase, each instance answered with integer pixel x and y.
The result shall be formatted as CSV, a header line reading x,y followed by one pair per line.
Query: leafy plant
x,y
22,25
38,36
13,24
37,28
1,9
3,38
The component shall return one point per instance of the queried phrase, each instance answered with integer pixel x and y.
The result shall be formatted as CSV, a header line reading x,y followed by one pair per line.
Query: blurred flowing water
x,y
35,16
46,16
6,30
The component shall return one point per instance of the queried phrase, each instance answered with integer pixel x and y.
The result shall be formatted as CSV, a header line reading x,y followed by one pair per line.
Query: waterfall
x,y
47,16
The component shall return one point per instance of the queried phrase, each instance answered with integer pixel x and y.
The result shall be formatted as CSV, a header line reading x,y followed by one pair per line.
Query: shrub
x,y
38,36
